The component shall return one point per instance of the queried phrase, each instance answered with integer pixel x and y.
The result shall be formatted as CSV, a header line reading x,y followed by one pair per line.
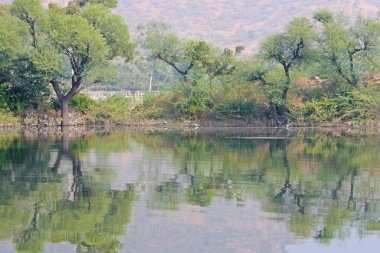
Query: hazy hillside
x,y
229,23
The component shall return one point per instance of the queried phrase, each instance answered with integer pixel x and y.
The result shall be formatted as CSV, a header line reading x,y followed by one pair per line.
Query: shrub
x,y
115,109
245,101
193,100
7,118
156,106
237,107
182,101
358,105
80,102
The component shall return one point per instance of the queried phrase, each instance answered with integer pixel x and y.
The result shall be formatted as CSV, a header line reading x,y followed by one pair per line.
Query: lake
x,y
209,190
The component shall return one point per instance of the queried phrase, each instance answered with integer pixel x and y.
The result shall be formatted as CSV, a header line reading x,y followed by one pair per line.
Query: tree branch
x,y
183,73
296,52
259,76
57,89
338,68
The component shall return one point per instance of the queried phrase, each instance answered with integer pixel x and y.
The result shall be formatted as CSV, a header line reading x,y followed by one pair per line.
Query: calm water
x,y
203,191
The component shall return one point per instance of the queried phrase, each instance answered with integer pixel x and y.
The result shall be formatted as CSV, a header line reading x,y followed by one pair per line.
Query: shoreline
x,y
187,125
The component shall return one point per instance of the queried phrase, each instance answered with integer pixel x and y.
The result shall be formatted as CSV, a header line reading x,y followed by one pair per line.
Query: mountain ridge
x,y
230,23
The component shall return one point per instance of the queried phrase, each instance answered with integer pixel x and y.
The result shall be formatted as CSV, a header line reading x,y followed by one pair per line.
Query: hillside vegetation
x,y
229,23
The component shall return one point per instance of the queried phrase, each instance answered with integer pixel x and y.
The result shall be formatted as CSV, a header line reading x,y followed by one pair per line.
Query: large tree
x,y
286,50
73,45
347,49
186,56
21,84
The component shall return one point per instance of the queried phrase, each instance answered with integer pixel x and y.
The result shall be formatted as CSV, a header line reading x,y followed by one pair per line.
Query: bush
x,y
80,102
156,106
358,105
182,101
115,109
193,100
7,118
237,107
245,101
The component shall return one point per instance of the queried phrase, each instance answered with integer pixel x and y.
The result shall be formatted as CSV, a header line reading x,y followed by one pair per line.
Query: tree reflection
x,y
315,182
65,204
319,185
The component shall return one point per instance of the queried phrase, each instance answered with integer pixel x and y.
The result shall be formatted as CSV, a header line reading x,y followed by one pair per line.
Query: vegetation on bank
x,y
317,70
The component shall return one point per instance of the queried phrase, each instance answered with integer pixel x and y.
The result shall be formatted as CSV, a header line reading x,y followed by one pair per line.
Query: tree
x,y
211,60
76,44
348,50
162,44
186,56
287,49
30,12
21,84
80,211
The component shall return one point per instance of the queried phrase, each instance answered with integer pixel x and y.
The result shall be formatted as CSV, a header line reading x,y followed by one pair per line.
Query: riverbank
x,y
33,119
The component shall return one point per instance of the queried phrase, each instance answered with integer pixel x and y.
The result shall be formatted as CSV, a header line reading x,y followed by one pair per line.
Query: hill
x,y
229,23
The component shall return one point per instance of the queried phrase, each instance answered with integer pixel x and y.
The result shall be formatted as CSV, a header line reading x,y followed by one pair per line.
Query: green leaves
x,y
323,16
300,28
195,59
113,28
29,11
12,35
89,37
69,45
33,14
73,35
291,46
347,49
105,3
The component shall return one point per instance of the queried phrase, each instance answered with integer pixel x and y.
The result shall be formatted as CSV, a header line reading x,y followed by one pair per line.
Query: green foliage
x,y
156,106
21,83
357,105
323,16
113,29
163,44
186,56
115,109
82,3
347,51
73,44
22,86
72,47
286,50
7,118
291,46
81,102
73,35
238,107
12,36
240,101
32,13
188,101
193,101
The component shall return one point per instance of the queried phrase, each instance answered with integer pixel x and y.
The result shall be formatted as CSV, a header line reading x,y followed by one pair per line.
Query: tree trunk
x,y
285,95
286,88
65,99
65,111
354,81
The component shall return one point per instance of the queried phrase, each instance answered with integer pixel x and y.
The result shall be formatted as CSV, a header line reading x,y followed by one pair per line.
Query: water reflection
x,y
133,191
59,203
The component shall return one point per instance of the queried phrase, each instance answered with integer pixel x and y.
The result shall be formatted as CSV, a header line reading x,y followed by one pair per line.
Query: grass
x,y
8,119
